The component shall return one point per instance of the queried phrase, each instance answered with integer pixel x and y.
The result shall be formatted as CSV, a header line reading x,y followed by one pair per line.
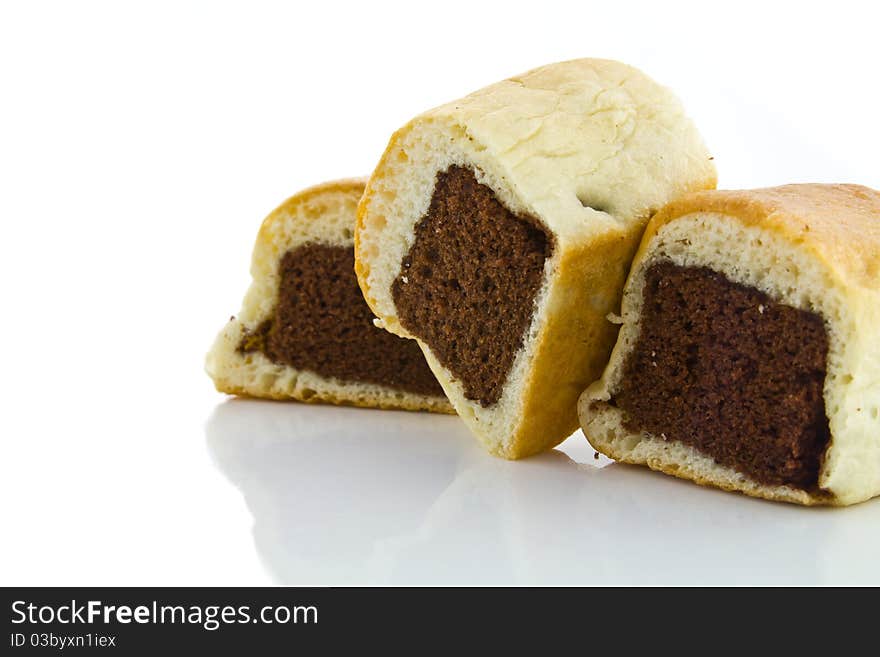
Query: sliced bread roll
x,y
498,229
749,352
304,331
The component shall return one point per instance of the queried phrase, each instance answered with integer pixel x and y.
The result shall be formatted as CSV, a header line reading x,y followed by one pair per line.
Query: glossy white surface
x,y
263,492
140,147
346,496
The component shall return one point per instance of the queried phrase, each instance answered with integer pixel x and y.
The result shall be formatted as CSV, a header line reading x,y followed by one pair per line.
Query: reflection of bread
x,y
323,215
309,533
582,151
469,519
810,247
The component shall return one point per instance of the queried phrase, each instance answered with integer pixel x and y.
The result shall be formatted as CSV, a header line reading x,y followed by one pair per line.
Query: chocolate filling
x,y
467,287
322,323
724,368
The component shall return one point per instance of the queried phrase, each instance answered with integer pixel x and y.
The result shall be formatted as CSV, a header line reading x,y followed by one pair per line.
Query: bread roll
x,y
749,352
304,331
497,230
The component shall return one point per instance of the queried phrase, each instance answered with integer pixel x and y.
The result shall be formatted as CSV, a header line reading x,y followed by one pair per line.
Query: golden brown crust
x,y
411,403
573,348
772,494
306,200
806,213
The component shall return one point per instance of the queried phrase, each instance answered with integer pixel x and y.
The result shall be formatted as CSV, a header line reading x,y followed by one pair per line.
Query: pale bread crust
x,y
322,214
548,143
830,236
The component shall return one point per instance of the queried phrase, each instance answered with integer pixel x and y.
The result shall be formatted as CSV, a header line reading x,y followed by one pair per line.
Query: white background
x,y
140,146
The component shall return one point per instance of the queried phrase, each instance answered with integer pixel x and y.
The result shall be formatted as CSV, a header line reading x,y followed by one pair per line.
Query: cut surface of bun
x,y
304,331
